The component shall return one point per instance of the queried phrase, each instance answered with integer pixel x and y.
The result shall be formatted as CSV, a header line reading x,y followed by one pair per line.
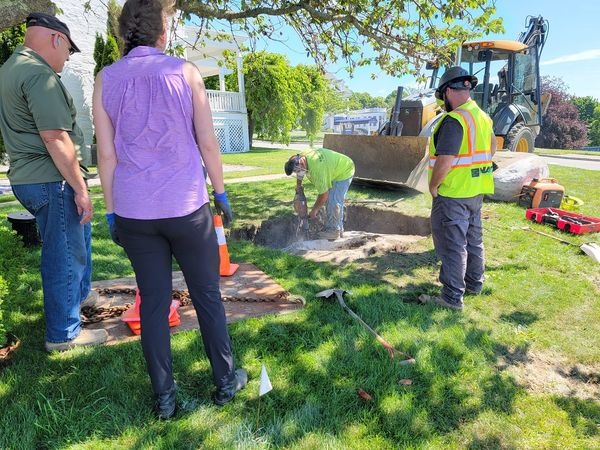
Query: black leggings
x,y
150,245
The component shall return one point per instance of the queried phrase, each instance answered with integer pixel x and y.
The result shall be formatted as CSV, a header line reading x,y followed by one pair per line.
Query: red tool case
x,y
564,220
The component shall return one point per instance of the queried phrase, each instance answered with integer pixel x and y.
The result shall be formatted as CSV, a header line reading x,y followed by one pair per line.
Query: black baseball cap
x,y
50,21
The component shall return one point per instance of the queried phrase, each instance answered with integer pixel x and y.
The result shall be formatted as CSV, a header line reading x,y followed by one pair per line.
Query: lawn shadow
x,y
520,317
584,415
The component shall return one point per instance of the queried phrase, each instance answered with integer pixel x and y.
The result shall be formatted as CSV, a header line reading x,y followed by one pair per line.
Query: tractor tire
x,y
520,138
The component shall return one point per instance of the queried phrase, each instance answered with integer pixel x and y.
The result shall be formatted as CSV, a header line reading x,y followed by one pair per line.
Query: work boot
x,y
87,338
91,300
226,393
165,405
423,298
330,235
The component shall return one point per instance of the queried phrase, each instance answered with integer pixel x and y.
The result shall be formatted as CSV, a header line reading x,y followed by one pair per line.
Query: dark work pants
x,y
458,240
150,245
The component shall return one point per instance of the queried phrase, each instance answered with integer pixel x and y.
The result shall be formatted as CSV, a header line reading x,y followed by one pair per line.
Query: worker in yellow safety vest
x,y
460,173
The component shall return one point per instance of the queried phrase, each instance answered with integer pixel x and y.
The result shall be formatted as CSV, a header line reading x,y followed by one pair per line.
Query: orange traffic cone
x,y
227,268
132,315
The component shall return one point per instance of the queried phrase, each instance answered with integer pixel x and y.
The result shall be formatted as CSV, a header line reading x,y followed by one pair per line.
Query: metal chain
x,y
94,314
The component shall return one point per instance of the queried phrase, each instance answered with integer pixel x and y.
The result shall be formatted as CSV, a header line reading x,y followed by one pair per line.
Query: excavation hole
x,y
367,231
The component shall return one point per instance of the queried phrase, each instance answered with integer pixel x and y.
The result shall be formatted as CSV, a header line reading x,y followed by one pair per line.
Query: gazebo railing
x,y
226,101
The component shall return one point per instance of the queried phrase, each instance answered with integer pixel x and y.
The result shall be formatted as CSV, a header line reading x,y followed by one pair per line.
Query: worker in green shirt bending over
x,y
331,173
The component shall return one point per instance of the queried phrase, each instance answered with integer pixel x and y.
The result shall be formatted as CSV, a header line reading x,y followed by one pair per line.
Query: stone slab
x,y
260,294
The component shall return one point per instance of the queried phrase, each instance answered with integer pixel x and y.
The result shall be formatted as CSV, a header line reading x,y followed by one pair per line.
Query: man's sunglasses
x,y
71,49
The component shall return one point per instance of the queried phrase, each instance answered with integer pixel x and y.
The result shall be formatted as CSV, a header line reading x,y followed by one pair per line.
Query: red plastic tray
x,y
564,220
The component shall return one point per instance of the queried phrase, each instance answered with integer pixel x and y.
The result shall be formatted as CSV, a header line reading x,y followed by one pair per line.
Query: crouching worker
x,y
331,173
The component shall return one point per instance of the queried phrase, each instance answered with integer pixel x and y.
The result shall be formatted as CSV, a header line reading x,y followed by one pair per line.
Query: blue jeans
x,y
335,205
66,264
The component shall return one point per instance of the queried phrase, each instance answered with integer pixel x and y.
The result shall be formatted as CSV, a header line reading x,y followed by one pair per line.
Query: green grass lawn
x,y
264,161
540,306
553,151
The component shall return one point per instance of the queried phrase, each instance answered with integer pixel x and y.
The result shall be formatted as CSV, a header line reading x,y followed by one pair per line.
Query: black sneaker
x,y
472,292
226,393
165,403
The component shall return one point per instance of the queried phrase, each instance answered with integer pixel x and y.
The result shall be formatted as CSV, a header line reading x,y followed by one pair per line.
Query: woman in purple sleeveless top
x,y
154,133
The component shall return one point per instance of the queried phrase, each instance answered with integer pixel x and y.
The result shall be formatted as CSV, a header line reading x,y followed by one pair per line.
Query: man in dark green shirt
x,y
37,122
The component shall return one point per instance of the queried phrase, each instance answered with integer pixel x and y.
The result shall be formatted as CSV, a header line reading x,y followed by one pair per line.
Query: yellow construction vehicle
x,y
509,90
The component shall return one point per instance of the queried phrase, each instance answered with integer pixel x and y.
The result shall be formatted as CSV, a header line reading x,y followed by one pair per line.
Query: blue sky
x,y
572,50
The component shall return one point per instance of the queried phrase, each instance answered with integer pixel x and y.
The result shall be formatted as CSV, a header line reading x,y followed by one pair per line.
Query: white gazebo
x,y
230,117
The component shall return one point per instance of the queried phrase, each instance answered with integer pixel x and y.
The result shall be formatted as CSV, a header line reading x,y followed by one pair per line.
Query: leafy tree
x,y
335,101
14,12
403,34
589,112
363,100
594,128
562,127
390,99
271,101
586,106
312,95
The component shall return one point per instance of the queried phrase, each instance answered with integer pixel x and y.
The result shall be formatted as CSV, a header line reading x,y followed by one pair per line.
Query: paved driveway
x,y
589,162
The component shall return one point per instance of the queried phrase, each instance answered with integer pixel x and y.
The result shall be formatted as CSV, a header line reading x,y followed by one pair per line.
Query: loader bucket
x,y
385,160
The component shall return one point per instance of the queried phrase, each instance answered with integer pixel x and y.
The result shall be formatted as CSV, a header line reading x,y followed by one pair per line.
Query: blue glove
x,y
112,228
222,207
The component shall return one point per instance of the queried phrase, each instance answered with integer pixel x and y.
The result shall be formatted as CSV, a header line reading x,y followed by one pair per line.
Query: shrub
x,y
106,52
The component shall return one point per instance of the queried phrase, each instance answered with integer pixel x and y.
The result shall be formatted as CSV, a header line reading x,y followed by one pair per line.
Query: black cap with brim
x,y
51,22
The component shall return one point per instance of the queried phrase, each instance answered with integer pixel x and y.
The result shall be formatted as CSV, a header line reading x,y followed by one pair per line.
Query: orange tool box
x,y
564,220
541,192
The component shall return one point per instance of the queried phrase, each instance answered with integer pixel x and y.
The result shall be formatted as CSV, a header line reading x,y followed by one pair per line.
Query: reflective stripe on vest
x,y
471,170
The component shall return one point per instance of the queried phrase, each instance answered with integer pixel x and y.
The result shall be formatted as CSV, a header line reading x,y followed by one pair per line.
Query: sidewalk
x,y
297,146
573,156
5,185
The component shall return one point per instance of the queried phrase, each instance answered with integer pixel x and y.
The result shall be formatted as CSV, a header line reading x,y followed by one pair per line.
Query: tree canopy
x,y
14,12
562,126
270,101
589,112
397,35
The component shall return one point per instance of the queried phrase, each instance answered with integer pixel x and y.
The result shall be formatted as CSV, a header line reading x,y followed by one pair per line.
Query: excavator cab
x,y
509,88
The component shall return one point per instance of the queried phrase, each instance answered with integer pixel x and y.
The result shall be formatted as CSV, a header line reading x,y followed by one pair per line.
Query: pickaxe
x,y
339,293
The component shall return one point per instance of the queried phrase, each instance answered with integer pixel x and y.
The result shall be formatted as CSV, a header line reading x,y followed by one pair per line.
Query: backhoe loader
x,y
509,90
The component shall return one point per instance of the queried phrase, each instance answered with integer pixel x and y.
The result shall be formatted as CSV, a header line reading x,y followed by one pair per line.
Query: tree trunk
x,y
14,12
250,127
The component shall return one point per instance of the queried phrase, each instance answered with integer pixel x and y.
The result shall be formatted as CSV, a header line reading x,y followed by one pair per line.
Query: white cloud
x,y
581,56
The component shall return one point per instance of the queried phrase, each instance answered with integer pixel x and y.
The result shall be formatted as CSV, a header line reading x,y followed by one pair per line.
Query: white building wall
x,y
78,74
